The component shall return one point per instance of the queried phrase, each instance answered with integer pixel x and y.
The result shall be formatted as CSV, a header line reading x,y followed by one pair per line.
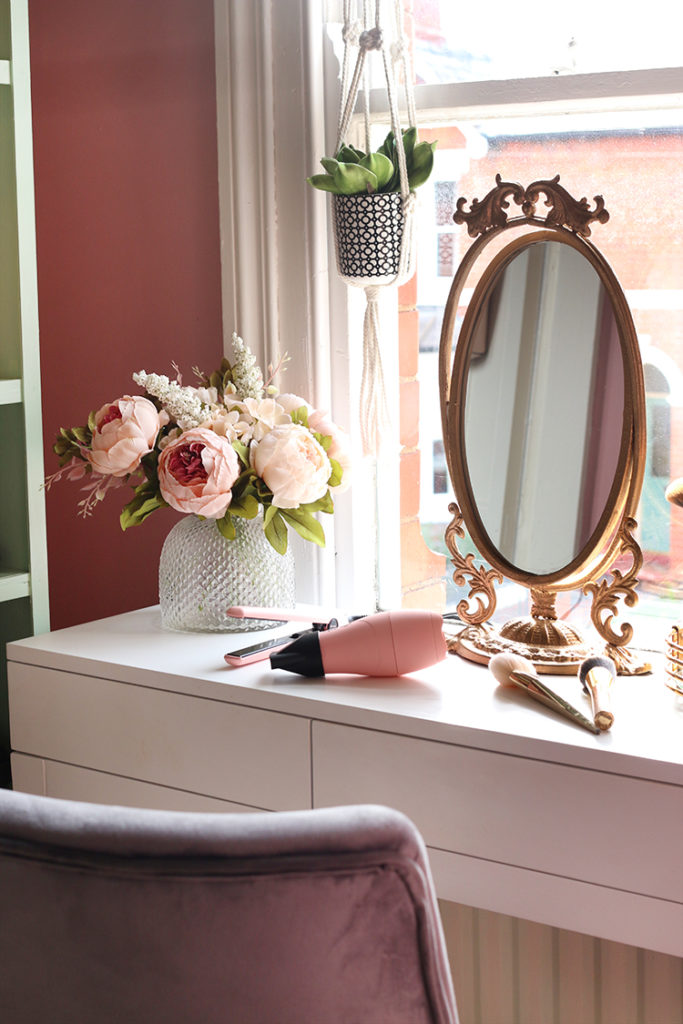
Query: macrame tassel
x,y
374,414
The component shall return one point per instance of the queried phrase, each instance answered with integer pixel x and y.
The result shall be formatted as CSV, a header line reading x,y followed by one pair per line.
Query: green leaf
x,y
276,530
324,504
305,524
242,451
329,164
352,179
324,440
82,434
381,166
140,507
226,526
422,164
91,422
300,416
325,182
246,506
336,475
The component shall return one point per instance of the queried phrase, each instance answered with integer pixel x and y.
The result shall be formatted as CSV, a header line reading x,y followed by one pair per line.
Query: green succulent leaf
x,y
350,155
409,141
325,182
330,165
388,147
422,164
381,166
305,524
352,179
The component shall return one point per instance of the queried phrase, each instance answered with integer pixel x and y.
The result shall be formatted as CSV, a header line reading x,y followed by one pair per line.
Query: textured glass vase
x,y
201,574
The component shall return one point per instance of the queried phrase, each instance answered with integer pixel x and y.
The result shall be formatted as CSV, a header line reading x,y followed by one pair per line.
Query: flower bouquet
x,y
226,448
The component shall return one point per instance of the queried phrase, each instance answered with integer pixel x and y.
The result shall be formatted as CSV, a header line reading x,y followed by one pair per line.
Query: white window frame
x,y
277,95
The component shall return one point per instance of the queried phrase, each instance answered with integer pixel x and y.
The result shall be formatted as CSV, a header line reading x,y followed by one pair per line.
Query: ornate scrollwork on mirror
x,y
543,417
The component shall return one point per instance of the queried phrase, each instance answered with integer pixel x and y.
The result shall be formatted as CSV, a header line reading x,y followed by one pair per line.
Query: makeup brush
x,y
514,670
596,675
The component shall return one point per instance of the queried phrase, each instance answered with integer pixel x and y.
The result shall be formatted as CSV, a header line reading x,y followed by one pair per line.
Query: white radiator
x,y
508,971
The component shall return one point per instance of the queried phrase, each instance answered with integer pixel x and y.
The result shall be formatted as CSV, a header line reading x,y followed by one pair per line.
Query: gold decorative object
x,y
674,660
547,483
481,589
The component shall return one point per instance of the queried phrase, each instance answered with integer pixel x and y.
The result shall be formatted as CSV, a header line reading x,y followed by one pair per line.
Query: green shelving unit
x,y
23,553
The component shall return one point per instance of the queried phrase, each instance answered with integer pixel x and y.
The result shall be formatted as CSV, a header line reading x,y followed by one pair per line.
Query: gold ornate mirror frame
x,y
551,644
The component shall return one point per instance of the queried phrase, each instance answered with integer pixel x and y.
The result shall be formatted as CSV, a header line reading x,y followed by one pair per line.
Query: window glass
x,y
452,45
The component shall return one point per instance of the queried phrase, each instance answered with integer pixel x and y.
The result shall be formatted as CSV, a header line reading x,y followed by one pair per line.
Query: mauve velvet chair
x,y
114,915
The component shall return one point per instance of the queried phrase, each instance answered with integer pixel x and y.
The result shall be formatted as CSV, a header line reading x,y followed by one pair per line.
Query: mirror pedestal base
x,y
480,643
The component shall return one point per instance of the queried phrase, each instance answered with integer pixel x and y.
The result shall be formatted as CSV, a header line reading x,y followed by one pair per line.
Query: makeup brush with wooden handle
x,y
596,675
514,670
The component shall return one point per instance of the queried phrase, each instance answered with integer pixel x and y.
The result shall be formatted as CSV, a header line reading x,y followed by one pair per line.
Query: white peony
x,y
292,464
258,417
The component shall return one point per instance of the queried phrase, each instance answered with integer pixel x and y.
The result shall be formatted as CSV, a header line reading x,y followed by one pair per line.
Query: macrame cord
x,y
367,37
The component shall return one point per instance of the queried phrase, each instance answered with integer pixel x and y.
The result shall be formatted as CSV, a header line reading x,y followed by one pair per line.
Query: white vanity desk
x,y
524,813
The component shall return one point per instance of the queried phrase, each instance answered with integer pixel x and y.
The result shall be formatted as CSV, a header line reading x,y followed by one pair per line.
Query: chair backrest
x,y
114,914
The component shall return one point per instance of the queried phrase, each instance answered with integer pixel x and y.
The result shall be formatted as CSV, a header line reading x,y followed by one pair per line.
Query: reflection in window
x,y
444,201
439,471
445,255
659,422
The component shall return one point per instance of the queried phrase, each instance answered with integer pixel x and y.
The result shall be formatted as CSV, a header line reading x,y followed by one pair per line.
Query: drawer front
x,y
67,782
592,826
253,757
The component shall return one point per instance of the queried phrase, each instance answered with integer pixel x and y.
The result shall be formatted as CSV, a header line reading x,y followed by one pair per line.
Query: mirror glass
x,y
544,409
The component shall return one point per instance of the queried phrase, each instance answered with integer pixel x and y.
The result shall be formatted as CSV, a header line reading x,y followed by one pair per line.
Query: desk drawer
x,y
253,757
68,782
595,827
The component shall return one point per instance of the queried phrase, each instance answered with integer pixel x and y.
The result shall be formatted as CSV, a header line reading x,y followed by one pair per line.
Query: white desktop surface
x,y
523,812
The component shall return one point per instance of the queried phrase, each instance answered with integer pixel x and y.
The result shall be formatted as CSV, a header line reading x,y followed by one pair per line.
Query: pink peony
x,y
292,464
339,450
197,471
125,430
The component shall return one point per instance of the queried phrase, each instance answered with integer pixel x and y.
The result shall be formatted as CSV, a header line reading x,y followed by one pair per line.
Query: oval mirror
x,y
543,415
545,423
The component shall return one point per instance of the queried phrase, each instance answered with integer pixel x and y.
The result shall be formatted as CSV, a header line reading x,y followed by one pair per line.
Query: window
x,y
504,99
600,108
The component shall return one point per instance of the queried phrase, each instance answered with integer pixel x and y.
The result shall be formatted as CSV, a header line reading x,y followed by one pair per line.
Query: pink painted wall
x,y
124,113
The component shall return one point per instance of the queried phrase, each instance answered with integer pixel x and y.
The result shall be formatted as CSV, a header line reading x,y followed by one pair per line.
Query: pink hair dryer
x,y
386,644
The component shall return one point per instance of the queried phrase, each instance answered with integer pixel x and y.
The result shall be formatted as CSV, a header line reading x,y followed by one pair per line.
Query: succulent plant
x,y
353,172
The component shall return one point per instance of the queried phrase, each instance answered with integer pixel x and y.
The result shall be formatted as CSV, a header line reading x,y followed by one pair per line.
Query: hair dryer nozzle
x,y
301,656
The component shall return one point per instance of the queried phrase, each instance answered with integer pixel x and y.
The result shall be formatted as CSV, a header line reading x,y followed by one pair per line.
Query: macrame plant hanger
x,y
367,36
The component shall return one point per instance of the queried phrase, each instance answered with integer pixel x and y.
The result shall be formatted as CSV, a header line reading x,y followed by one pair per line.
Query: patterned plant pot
x,y
369,231
201,574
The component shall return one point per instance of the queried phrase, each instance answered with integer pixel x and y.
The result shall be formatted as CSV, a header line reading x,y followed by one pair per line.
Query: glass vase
x,y
201,574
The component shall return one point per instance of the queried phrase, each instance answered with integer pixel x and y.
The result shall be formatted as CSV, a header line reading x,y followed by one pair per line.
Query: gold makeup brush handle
x,y
598,685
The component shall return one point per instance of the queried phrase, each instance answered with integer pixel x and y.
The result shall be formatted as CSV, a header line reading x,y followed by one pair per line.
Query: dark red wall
x,y
124,119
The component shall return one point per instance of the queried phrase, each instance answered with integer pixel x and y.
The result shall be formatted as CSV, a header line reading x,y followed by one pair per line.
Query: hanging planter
x,y
369,231
373,199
